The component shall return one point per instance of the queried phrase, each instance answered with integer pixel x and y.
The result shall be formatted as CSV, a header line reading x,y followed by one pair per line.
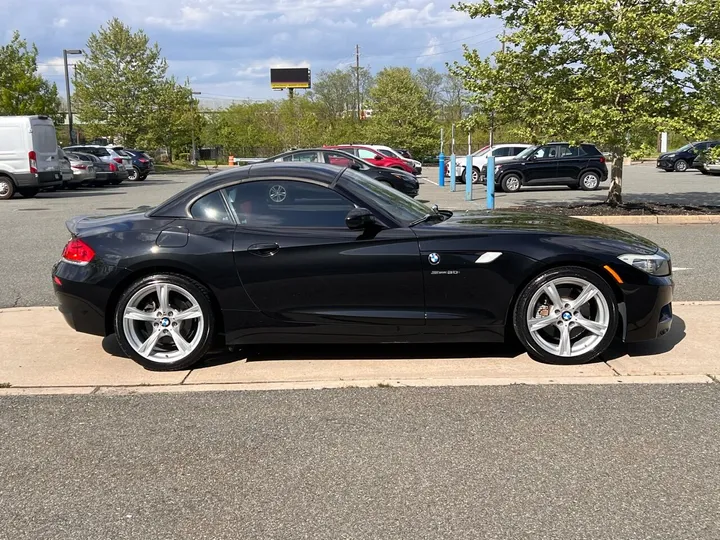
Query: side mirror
x,y
532,157
378,157
359,219
355,166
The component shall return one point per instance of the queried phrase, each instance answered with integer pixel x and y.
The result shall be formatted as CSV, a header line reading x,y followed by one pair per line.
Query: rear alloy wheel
x,y
475,175
7,189
681,165
133,174
566,316
589,181
165,322
28,193
511,183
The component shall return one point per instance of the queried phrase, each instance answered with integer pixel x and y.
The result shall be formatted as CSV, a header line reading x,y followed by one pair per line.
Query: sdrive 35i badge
x,y
434,258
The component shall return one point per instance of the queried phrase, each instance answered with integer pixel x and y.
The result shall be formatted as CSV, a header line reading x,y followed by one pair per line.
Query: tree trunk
x,y
614,197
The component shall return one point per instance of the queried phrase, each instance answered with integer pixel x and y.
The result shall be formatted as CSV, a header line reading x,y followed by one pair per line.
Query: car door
x,y
571,162
301,265
541,168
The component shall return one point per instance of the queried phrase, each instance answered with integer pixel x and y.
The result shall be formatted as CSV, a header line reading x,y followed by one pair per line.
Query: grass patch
x,y
178,166
384,385
5,385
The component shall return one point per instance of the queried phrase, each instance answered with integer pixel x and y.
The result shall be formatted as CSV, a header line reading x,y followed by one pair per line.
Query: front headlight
x,y
656,265
670,156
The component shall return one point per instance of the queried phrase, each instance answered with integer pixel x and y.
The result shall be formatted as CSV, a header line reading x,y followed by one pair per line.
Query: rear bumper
x,y
81,315
42,180
648,309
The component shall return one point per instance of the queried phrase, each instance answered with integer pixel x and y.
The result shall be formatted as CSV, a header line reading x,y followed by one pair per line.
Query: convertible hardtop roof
x,y
176,206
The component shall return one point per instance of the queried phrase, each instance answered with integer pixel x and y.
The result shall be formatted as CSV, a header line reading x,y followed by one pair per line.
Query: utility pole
x,y
492,113
357,80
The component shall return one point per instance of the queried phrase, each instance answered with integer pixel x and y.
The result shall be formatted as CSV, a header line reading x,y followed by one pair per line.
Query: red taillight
x,y
602,159
32,157
57,281
118,159
113,167
143,160
77,251
81,167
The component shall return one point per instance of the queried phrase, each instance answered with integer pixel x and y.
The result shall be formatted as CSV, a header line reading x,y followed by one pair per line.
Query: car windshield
x,y
398,205
525,153
687,147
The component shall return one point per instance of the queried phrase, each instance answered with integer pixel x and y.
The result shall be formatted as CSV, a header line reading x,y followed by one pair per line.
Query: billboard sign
x,y
281,78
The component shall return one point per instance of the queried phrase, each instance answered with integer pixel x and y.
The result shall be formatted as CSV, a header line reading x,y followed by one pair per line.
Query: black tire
x,y
142,177
133,174
589,181
520,311
115,182
73,187
681,165
511,183
475,175
28,193
201,294
7,188
703,171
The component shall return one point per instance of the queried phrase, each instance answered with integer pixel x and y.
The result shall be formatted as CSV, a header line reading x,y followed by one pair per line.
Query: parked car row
x,y
382,156
395,177
690,156
137,163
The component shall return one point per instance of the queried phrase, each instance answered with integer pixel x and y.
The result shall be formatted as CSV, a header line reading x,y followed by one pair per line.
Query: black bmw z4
x,y
314,253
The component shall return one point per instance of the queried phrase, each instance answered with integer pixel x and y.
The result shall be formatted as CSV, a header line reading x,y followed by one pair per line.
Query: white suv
x,y
501,152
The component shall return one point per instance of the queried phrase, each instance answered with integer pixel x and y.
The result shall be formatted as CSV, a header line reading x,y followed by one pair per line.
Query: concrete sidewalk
x,y
39,353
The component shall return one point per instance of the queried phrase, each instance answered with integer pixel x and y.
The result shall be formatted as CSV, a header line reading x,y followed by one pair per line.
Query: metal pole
x,y
468,172
357,79
193,159
453,165
490,183
441,161
67,90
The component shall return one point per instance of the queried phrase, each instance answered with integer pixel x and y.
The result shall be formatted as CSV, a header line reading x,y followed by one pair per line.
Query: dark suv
x,y
142,164
553,164
682,159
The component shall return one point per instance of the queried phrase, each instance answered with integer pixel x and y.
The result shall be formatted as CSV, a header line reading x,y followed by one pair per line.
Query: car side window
x,y
500,152
288,203
566,151
365,154
307,157
336,158
543,152
211,207
515,150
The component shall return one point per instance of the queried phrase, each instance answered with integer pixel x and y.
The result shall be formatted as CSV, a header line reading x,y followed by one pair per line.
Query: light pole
x,y
67,90
193,160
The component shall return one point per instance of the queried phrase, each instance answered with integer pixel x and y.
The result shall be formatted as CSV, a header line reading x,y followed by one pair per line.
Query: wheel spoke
x,y
553,295
163,294
193,312
565,347
182,345
137,315
587,294
596,328
147,347
541,322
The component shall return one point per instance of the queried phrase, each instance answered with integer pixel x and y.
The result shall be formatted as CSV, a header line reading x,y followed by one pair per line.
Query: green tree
x,y
402,114
23,91
431,81
595,70
119,83
336,92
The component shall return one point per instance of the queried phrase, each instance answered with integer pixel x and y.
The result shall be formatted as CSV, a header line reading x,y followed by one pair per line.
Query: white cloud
x,y
60,23
188,17
261,68
418,17
52,66
431,49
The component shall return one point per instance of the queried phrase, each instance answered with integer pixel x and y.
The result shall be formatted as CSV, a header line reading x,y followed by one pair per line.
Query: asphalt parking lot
x,y
34,230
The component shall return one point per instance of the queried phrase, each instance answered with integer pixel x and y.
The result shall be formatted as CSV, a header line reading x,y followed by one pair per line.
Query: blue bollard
x,y
490,180
453,172
468,178
441,164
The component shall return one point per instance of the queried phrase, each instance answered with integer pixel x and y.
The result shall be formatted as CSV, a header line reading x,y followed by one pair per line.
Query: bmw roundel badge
x,y
434,258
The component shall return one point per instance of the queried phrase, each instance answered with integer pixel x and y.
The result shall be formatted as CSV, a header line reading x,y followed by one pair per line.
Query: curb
x,y
707,219
359,383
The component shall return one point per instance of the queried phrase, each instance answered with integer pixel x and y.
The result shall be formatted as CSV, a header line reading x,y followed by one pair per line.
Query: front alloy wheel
x,y
681,165
511,183
589,181
566,316
165,322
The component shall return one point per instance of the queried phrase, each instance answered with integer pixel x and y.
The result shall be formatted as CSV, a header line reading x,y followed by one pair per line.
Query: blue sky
x,y
226,47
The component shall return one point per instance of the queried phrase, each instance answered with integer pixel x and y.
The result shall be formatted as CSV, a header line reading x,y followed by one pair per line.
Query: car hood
x,y
546,225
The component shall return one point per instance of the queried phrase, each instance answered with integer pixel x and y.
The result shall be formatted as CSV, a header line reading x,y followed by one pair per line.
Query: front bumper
x,y
648,309
665,164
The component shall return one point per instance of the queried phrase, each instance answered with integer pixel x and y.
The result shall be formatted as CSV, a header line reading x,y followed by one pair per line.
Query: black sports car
x,y
397,178
317,253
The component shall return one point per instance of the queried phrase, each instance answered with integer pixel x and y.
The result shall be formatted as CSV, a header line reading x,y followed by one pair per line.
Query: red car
x,y
374,157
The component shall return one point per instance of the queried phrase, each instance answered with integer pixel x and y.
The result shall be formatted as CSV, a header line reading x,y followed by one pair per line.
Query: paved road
x,y
514,462
34,234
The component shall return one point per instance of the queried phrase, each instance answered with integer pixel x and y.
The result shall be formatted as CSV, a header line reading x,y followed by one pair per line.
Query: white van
x,y
28,155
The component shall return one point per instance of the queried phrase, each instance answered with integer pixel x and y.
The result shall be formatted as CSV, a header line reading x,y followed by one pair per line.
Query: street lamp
x,y
67,90
193,161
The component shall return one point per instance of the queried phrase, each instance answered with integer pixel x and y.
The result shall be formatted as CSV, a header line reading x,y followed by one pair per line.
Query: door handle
x,y
264,250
